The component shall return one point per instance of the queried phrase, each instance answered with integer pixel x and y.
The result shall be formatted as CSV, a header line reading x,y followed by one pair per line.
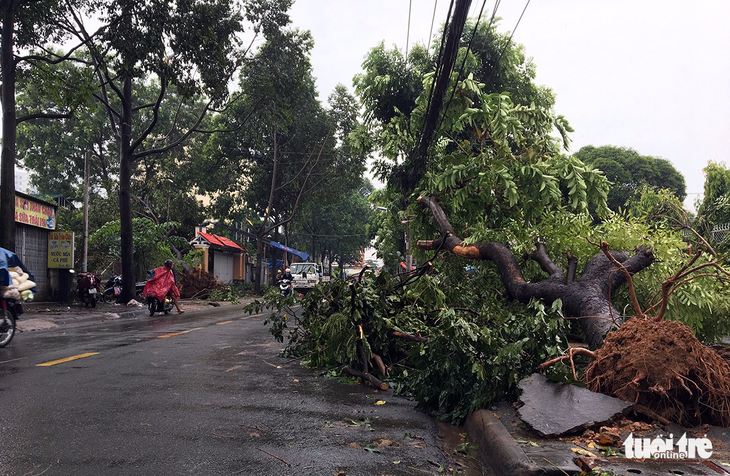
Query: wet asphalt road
x,y
204,393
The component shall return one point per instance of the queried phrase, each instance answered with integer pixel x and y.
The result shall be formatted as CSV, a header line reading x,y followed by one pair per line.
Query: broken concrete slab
x,y
554,409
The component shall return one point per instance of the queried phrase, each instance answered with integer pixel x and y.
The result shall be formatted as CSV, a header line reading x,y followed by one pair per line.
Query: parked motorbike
x,y
285,287
155,305
89,288
11,309
112,289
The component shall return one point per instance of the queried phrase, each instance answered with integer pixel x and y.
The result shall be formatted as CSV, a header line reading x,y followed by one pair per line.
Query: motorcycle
x,y
89,287
15,286
155,305
285,287
112,289
11,309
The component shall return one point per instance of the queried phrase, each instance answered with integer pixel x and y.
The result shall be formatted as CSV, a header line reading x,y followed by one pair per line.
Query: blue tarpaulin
x,y
301,254
8,259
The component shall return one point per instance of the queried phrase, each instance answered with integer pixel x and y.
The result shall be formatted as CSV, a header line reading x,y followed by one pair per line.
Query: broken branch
x,y
274,456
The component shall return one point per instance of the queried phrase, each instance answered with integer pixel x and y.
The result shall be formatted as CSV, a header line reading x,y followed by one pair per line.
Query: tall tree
x,y
339,227
193,45
713,212
325,209
391,85
287,152
629,171
26,26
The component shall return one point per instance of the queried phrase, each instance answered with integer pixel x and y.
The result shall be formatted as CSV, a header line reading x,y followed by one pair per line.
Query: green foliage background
x,y
152,245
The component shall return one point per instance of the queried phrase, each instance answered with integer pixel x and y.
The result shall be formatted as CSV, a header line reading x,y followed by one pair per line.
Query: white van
x,y
306,276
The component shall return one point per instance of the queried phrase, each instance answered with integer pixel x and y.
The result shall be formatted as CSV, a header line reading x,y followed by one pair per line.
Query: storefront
x,y
34,220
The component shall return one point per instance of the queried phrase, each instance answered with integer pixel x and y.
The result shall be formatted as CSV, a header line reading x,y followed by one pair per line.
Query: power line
x,y
466,54
438,92
439,62
326,236
499,58
433,18
408,31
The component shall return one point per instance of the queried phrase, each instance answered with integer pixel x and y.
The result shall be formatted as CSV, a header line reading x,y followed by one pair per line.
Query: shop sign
x,y
30,212
61,249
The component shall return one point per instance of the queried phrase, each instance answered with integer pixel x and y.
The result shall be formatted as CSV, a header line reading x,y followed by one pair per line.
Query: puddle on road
x,y
460,450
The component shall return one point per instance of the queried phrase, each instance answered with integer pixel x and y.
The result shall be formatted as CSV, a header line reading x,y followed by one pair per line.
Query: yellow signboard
x,y
61,249
31,212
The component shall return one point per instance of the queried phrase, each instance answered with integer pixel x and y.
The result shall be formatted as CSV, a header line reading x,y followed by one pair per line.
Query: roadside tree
x,y
278,148
27,26
338,228
628,171
192,46
713,212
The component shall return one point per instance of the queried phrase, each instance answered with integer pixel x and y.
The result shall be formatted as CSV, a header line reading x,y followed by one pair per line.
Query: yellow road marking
x,y
67,359
165,336
249,317
221,323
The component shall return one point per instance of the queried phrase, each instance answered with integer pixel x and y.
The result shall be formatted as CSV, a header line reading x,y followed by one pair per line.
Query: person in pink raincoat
x,y
163,283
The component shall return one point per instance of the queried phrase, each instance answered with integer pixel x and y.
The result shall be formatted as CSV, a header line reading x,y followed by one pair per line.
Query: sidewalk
x,y
506,447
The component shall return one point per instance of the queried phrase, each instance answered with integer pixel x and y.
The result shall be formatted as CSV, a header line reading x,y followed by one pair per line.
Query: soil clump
x,y
663,367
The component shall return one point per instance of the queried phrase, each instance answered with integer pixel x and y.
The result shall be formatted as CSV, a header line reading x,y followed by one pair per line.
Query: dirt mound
x,y
198,285
662,365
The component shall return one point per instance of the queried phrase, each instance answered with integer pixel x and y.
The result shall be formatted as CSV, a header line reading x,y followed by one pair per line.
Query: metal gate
x,y
223,267
31,245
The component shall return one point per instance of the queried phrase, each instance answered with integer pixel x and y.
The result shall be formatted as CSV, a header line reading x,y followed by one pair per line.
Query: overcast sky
x,y
652,75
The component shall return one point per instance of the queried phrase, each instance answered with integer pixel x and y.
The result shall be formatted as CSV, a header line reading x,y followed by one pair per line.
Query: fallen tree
x,y
587,298
661,365
656,364
455,346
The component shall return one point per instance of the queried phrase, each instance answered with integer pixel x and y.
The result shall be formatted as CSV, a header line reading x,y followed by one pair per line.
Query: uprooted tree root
x,y
662,366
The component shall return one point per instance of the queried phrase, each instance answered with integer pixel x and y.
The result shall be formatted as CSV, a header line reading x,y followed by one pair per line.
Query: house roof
x,y
220,241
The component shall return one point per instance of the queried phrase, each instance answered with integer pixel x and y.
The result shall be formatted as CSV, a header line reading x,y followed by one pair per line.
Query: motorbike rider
x,y
166,275
285,275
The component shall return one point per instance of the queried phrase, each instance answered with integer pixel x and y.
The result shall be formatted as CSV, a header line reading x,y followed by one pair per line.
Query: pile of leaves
x,y
451,360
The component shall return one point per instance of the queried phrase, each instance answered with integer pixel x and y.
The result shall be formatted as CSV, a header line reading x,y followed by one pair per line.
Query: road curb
x,y
498,450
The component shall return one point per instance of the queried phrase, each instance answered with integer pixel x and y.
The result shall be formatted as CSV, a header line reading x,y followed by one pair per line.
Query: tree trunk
x,y
9,128
587,298
125,203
